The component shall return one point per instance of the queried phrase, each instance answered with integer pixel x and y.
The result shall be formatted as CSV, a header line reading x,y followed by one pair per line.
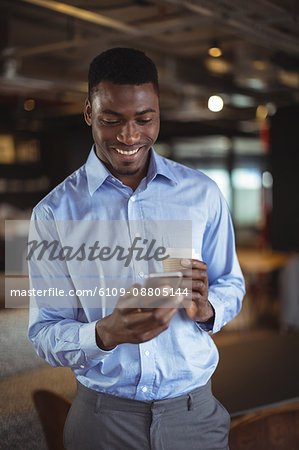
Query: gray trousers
x,y
99,421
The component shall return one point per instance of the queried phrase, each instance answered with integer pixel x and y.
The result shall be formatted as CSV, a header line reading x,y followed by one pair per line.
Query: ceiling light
x,y
242,101
254,83
215,103
218,65
261,112
29,104
10,68
289,78
215,51
271,107
267,179
259,65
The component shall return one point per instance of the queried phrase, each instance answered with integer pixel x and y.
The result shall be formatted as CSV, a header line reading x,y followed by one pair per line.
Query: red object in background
x,y
264,237
265,135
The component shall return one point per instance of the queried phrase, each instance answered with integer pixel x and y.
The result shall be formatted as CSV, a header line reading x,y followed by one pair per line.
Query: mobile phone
x,y
155,284
172,279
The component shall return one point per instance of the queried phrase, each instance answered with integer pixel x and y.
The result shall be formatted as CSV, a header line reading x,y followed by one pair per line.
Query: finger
x,y
197,296
153,318
195,280
151,324
199,285
170,302
193,264
195,273
139,318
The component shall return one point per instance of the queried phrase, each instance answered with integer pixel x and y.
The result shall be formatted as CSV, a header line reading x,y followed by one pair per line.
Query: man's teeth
x,y
131,152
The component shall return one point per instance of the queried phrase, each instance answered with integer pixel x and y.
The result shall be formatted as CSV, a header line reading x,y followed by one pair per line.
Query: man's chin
x,y
127,171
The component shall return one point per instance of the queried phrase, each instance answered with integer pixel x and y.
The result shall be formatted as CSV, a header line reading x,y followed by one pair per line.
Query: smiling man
x,y
125,125
143,374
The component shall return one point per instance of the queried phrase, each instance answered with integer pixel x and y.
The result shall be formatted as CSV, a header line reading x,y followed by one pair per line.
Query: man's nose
x,y
129,134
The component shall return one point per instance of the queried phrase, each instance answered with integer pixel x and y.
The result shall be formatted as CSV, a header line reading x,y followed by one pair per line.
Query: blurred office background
x,y
229,79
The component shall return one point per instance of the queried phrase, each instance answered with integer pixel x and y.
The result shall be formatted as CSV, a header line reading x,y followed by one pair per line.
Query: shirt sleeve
x,y
58,327
226,282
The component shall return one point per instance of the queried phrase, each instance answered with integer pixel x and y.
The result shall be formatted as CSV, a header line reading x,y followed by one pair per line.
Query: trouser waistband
x,y
110,402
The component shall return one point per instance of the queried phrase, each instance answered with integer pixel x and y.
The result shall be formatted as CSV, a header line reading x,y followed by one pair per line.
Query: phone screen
x,y
172,279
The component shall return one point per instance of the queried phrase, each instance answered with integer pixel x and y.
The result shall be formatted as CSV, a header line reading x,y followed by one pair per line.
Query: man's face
x,y
125,122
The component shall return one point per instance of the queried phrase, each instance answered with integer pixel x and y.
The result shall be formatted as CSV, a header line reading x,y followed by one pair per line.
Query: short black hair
x,y
122,66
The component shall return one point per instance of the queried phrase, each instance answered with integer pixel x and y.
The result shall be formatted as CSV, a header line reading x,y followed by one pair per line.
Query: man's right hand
x,y
130,324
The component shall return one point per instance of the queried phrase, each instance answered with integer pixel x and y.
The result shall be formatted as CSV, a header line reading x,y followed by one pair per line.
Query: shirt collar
x,y
97,172
160,166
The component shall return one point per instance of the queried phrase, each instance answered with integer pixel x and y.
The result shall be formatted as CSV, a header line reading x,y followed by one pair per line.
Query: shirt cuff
x,y
215,325
87,339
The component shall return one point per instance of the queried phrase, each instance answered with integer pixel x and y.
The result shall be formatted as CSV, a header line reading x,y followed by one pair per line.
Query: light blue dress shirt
x,y
184,356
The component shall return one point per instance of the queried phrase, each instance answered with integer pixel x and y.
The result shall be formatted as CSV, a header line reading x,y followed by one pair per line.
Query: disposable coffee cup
x,y
173,262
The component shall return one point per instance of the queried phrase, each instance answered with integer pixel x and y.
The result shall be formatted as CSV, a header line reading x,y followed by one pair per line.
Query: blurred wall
x,y
284,155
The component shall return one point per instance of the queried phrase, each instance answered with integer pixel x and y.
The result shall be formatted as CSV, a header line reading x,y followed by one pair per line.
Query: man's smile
x,y
127,152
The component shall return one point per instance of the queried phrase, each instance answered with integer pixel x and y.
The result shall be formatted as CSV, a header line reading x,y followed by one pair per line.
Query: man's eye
x,y
109,122
144,121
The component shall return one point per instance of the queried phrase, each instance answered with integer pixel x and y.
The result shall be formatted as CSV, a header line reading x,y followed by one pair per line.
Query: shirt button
x,y
82,367
144,389
113,179
132,198
141,274
146,353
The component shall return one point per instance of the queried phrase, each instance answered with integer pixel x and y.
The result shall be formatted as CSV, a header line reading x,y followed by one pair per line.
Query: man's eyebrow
x,y
139,113
145,112
109,111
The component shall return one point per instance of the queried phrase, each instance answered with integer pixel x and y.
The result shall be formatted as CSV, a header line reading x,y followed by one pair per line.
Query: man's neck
x,y
132,181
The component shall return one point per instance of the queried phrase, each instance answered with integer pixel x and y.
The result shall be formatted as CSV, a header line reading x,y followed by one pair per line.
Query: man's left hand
x,y
200,309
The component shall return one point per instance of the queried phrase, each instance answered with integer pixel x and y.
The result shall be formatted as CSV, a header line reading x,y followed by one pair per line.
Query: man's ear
x,y
87,112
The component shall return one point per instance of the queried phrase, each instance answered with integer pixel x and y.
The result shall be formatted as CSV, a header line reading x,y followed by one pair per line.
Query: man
x,y
143,373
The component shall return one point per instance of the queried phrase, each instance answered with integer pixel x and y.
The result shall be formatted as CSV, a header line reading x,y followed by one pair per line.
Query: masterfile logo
x,y
83,261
